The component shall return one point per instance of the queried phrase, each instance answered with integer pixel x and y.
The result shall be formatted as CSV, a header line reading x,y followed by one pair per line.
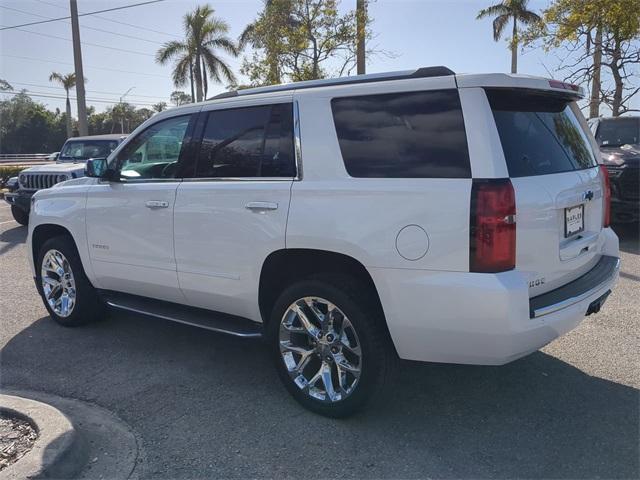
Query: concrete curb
x,y
58,450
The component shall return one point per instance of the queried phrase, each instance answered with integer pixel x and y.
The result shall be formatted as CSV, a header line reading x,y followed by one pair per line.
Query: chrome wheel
x,y
320,349
58,284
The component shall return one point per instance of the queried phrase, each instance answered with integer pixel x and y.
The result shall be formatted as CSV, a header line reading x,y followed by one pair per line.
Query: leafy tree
x,y
505,11
4,85
180,98
205,34
300,40
601,41
28,127
159,107
67,82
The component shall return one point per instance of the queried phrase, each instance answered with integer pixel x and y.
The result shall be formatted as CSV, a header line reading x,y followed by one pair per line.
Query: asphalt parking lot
x,y
207,405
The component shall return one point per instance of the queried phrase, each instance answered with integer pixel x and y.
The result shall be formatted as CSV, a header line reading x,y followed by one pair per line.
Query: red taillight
x,y
606,193
493,226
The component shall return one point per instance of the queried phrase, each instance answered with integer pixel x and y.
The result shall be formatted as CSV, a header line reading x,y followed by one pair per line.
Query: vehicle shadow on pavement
x,y
207,405
12,238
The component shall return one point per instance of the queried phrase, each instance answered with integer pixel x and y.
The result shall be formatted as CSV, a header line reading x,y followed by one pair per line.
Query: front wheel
x,y
20,215
64,287
329,345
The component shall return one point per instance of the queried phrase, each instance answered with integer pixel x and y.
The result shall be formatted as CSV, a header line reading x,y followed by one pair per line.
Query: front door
x,y
233,213
130,221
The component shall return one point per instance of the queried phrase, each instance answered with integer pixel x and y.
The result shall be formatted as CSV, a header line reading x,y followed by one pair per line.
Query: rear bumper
x,y
481,319
20,199
574,292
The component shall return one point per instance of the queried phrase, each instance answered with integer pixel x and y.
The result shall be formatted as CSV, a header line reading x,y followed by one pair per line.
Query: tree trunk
x,y
198,74
514,46
69,132
617,78
205,82
193,95
594,103
361,19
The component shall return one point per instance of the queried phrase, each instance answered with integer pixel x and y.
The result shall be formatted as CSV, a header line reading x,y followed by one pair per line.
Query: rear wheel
x,y
329,345
64,287
20,215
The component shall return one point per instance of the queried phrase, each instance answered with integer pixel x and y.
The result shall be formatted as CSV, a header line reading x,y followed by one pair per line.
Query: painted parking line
x,y
10,221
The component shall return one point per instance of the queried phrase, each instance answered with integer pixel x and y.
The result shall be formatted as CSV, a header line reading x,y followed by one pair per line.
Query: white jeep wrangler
x,y
422,215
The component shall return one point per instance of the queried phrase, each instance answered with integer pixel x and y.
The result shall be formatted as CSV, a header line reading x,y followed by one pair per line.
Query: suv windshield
x,y
540,133
85,149
621,131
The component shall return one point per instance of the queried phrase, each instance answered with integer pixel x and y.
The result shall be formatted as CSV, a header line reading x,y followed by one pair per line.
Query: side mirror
x,y
95,167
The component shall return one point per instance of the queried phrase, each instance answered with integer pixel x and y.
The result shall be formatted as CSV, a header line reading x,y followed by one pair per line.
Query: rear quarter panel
x,y
362,217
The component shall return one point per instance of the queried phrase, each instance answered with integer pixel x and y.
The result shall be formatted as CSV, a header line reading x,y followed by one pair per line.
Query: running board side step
x,y
196,317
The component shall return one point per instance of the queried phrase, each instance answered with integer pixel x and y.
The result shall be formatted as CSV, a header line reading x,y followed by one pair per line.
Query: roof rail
x,y
423,72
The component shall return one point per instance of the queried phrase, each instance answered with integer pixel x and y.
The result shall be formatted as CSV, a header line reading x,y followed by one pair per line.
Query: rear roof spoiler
x,y
502,80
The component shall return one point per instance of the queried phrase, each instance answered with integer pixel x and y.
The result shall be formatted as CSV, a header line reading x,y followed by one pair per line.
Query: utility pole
x,y
122,110
83,128
361,29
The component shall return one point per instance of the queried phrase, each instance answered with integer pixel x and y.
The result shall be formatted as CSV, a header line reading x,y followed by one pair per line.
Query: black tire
x,y
363,312
20,215
88,305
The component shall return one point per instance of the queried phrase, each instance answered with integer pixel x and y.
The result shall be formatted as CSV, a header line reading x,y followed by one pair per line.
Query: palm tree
x,y
503,12
67,81
204,33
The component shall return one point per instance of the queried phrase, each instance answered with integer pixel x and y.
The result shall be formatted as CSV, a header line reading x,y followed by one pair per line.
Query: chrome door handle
x,y
257,206
156,204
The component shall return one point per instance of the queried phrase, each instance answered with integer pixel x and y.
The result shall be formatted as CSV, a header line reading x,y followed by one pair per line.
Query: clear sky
x,y
418,32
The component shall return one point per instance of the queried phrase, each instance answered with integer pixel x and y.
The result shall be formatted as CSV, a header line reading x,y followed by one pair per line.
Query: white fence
x,y
24,158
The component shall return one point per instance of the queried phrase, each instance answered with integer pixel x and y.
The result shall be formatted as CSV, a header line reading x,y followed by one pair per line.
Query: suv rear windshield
x,y
85,149
540,133
621,131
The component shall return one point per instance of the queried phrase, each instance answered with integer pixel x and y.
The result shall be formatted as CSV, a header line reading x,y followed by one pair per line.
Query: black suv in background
x,y
619,141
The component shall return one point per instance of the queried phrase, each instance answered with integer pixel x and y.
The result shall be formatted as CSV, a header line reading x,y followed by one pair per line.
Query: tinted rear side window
x,y
540,133
248,142
403,135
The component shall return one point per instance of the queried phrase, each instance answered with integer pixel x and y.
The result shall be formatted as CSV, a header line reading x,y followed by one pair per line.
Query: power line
x,y
60,97
119,94
84,26
138,27
84,43
56,62
82,14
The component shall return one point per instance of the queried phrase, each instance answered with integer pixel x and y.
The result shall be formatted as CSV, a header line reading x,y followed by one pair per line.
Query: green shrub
x,y
7,172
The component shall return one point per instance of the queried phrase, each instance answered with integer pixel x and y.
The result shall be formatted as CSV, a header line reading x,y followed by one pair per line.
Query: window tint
x,y
83,150
540,133
154,153
403,135
621,131
248,142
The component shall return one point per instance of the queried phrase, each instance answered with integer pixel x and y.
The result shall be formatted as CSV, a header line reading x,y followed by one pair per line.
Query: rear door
x,y
233,213
550,157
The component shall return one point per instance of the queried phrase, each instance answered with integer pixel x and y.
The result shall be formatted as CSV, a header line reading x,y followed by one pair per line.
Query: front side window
x,y
155,152
540,132
248,142
78,150
403,135
618,132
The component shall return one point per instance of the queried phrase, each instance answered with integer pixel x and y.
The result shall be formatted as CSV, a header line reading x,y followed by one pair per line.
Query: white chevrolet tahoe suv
x,y
422,215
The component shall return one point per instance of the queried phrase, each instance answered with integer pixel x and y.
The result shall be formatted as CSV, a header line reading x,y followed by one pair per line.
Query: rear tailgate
x,y
550,158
